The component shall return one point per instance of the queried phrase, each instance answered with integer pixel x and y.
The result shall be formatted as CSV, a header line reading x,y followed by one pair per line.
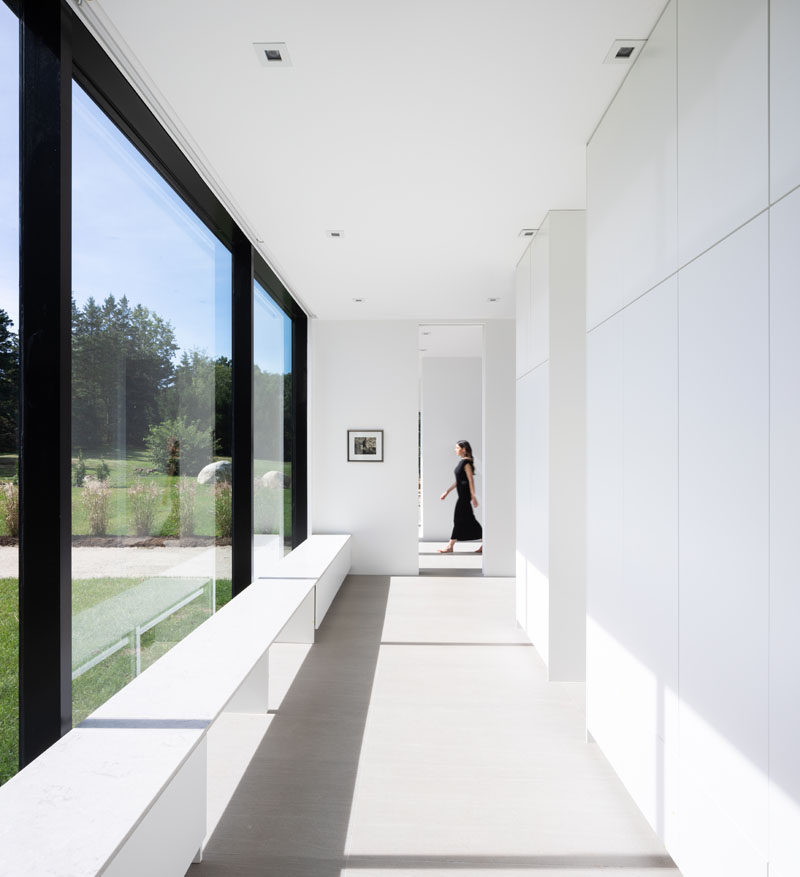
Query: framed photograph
x,y
364,445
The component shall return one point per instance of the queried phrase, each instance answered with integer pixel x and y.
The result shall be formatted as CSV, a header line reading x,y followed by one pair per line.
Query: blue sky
x,y
9,163
132,235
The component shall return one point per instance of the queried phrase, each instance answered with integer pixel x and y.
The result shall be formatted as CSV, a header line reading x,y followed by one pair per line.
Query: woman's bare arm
x,y
468,470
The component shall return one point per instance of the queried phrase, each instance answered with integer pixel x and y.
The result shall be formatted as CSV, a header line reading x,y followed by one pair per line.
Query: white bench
x,y
324,558
124,793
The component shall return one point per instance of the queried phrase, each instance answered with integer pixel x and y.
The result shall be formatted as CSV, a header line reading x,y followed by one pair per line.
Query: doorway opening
x,y
450,409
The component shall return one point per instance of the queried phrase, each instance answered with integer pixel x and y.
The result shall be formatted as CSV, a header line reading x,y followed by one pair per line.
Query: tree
x,y
9,385
223,406
288,419
191,395
121,366
268,415
202,393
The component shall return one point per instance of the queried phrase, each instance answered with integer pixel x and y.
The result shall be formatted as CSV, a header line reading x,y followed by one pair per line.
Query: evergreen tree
x,y
223,406
268,415
121,366
9,385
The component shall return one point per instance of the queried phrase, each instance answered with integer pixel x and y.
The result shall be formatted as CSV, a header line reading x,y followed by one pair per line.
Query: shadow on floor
x,y
453,571
290,814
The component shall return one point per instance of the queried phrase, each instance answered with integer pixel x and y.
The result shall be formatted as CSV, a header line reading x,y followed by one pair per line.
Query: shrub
x,y
96,498
179,446
143,504
102,472
223,510
9,507
187,492
80,469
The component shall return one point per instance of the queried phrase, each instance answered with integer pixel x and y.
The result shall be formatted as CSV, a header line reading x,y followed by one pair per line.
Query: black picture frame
x,y
364,445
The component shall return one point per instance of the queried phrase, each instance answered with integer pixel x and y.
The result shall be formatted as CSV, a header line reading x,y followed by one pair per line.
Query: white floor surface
x,y
419,736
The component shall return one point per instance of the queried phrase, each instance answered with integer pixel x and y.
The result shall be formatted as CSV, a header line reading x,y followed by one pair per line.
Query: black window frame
x,y
57,48
299,408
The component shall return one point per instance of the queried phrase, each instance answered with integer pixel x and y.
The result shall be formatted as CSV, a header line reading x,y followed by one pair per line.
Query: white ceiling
x,y
430,131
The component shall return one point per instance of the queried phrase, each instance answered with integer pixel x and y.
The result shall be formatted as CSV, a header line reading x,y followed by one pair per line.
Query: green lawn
x,y
99,683
9,657
96,685
123,474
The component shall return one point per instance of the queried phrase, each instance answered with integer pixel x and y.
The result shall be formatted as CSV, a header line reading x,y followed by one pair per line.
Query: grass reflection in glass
x,y
9,673
106,678
99,682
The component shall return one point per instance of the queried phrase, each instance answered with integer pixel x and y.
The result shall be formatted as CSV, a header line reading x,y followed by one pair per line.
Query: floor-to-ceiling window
x,y
272,428
151,412
152,392
9,389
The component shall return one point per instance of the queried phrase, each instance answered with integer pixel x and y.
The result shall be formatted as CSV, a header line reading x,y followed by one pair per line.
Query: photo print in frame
x,y
364,445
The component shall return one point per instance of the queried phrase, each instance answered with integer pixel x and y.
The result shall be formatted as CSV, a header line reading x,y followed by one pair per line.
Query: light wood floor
x,y
420,737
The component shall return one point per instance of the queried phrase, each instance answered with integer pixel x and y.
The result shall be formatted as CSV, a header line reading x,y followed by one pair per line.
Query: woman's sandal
x,y
445,550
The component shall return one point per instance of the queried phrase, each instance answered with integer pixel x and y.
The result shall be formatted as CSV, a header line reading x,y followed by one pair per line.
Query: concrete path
x,y
93,563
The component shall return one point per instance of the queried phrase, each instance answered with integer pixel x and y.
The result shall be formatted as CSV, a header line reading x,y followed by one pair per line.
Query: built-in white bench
x,y
124,793
324,558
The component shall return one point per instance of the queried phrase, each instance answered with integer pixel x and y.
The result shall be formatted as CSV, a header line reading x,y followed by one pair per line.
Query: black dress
x,y
465,526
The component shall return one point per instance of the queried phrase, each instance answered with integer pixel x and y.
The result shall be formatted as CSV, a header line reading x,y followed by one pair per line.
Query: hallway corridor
x,y
420,737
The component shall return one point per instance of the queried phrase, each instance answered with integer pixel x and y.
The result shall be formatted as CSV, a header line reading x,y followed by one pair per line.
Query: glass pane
x,y
151,410
9,388
272,464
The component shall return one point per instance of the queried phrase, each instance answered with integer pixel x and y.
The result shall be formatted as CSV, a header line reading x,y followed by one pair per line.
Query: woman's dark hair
x,y
465,446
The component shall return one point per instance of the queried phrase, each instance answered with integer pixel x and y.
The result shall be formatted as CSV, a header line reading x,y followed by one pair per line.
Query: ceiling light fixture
x,y
624,51
527,232
335,233
426,333
273,54
359,301
493,298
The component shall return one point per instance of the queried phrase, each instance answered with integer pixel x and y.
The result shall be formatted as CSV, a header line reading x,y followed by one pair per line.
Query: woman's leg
x,y
449,549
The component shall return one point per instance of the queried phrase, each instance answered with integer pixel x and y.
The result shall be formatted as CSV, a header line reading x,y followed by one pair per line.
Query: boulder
x,y
274,480
222,470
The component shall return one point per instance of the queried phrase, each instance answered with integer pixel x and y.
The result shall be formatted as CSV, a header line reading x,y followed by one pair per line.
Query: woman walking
x,y
465,527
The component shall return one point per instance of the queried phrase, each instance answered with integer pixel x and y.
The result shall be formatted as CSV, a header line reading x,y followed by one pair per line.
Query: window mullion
x,y
45,200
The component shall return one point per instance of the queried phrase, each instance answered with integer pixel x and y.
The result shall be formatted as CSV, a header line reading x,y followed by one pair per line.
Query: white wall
x,y
451,410
499,528
784,656
364,375
533,507
693,663
566,347
551,429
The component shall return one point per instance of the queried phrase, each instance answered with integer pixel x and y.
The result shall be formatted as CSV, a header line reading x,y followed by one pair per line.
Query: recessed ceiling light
x,y
493,298
273,54
359,301
335,233
527,232
423,350
427,333
624,51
